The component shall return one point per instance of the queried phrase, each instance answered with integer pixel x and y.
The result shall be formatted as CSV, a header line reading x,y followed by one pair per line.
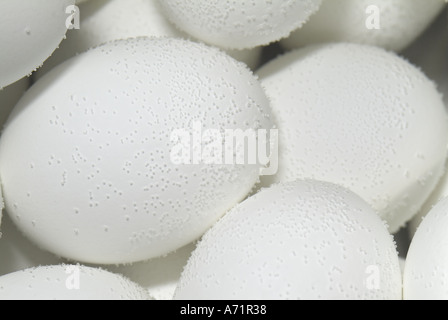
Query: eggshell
x,y
298,240
61,283
29,31
94,180
18,253
159,276
361,117
239,24
399,21
103,21
429,52
426,267
9,96
440,192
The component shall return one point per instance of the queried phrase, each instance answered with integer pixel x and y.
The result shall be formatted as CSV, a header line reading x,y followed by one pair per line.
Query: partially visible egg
x,y
239,24
425,274
430,53
29,33
103,21
361,117
112,171
385,23
440,192
18,253
159,276
9,96
298,240
68,282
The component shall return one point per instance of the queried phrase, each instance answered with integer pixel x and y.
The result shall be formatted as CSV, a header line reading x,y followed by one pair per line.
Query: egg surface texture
x,y
29,32
389,24
426,266
360,117
95,160
239,24
299,240
108,20
68,282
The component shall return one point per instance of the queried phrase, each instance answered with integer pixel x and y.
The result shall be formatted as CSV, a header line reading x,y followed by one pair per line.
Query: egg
x,y
298,240
239,24
18,253
98,178
103,21
68,282
361,117
9,96
389,24
159,276
440,192
432,60
30,31
427,260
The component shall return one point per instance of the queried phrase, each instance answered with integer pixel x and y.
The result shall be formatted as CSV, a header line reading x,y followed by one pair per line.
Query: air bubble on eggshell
x,y
399,21
22,52
68,282
297,240
239,24
101,144
361,117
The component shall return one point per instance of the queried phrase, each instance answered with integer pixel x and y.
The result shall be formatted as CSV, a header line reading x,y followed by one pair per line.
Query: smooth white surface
x,y
300,240
159,276
18,253
29,31
426,266
9,96
50,283
108,20
361,117
239,24
401,22
94,182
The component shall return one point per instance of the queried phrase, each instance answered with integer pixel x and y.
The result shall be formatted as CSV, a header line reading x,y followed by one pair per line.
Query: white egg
x,y
425,274
30,31
440,192
18,253
389,24
159,276
95,180
429,52
239,24
9,96
103,21
298,240
361,117
68,282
